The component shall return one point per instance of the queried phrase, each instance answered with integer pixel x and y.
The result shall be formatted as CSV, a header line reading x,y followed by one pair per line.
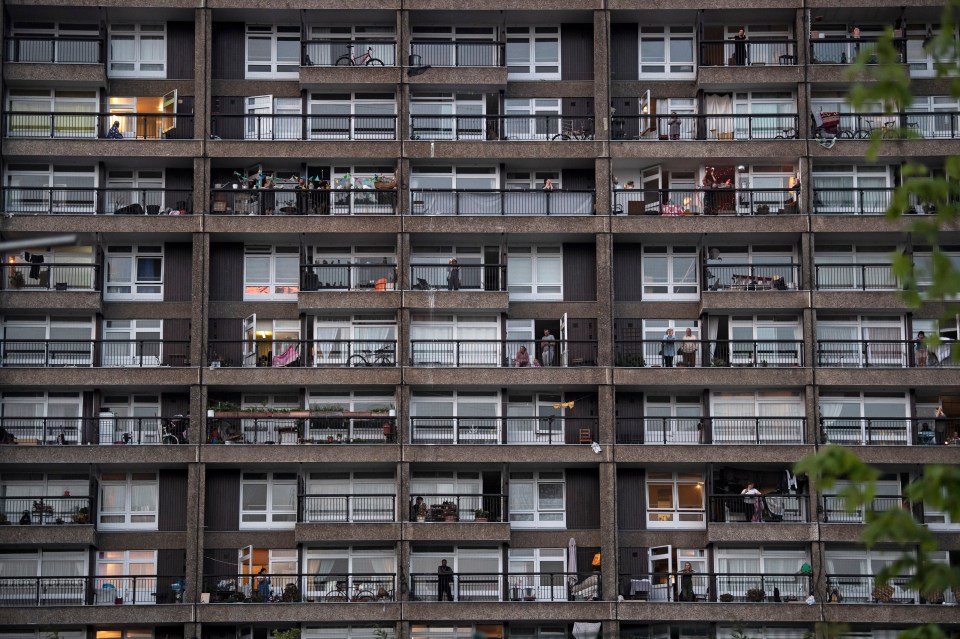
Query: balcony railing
x,y
502,202
880,431
708,126
235,201
140,353
337,52
53,50
96,201
90,126
534,430
844,50
302,430
271,126
319,509
493,586
716,587
452,507
50,276
851,201
347,277
752,277
769,508
875,353
718,201
711,430
302,588
856,277
501,127
107,429
302,353
731,52
87,591
932,125
461,277
500,353
705,353
46,511
457,53
835,509
865,589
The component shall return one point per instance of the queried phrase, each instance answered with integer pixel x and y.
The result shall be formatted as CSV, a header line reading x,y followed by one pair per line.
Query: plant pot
x,y
481,519
450,518
420,519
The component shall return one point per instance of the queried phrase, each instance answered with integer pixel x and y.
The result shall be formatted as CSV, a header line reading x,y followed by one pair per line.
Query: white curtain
x,y
719,104
583,630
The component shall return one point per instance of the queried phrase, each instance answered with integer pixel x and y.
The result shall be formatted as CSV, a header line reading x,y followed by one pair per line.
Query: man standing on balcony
x,y
740,48
444,581
453,275
547,348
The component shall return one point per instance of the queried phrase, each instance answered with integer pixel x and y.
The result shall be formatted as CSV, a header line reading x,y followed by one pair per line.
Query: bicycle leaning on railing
x,y
367,59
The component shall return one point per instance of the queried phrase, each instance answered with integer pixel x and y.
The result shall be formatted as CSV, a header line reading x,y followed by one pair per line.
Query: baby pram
x,y
827,127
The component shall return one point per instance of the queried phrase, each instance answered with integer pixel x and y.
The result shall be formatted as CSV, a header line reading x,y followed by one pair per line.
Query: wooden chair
x,y
585,436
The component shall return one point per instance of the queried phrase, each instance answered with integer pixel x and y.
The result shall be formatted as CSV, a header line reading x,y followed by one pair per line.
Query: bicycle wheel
x,y
345,61
170,439
374,62
335,596
846,134
561,136
357,360
364,596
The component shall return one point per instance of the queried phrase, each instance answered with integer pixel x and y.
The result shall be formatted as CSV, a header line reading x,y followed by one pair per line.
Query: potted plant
x,y
726,597
718,362
481,515
58,521
763,363
291,593
756,595
82,516
422,512
450,513
3,520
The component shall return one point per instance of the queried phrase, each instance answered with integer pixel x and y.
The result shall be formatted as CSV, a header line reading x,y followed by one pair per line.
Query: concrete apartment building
x,y
326,325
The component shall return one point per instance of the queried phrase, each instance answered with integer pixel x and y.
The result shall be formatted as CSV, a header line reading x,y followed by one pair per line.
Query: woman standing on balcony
x,y
686,582
920,349
740,48
453,275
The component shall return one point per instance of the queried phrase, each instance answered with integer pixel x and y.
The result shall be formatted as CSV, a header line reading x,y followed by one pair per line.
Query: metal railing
x,y
716,587
91,591
711,430
301,588
767,508
502,202
874,353
752,277
236,201
302,353
457,53
139,353
453,507
53,49
536,430
750,52
494,586
334,52
501,353
501,127
271,126
302,430
867,589
459,277
844,50
91,125
50,276
707,201
879,431
708,126
96,201
913,124
47,511
316,509
104,430
706,353
856,277
347,277
835,509
851,201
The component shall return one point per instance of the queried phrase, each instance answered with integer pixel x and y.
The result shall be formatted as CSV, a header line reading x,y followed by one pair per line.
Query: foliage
x,y
289,633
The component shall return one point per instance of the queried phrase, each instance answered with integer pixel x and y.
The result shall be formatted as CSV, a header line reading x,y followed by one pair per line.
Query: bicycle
x,y
367,59
174,430
568,132
381,357
340,594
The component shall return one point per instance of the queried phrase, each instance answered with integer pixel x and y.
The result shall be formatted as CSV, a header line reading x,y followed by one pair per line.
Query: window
x,y
451,631
125,633
922,63
364,496
455,341
446,417
348,632
655,330
128,188
529,418
535,272
46,188
273,51
533,53
352,116
129,575
475,571
776,105
135,342
862,341
19,490
430,264
943,124
128,500
542,119
134,273
447,116
337,338
853,417
851,190
675,500
63,572
328,43
743,569
42,43
138,51
47,341
537,499
765,340
856,268
666,52
888,497
32,415
354,567
851,572
134,415
271,273
281,119
924,266
537,574
30,113
670,273
735,417
672,420
268,500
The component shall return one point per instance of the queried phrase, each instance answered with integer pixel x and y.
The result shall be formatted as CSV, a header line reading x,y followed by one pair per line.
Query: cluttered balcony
x,y
104,430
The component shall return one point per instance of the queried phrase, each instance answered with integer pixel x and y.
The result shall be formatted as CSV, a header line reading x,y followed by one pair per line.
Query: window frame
x,y
273,515
670,517
666,34
126,511
535,255
138,35
537,479
671,284
275,35
272,288
530,35
135,254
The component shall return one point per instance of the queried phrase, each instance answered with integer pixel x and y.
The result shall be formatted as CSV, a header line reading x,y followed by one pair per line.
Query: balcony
x,y
463,508
717,587
91,591
457,53
706,127
533,430
309,428
879,431
498,354
53,50
731,53
835,509
709,353
50,276
47,511
302,588
769,508
718,201
347,277
290,354
459,277
105,430
96,201
752,277
711,430
856,277
96,353
844,50
851,201
348,53
275,127
867,589
939,125
493,586
527,128
238,201
879,353
92,126
502,202
322,509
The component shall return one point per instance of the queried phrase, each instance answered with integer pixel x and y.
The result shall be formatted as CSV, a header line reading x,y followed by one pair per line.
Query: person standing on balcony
x,y
444,581
740,48
548,348
920,349
263,587
548,184
686,583
752,503
668,348
673,126
688,350
453,275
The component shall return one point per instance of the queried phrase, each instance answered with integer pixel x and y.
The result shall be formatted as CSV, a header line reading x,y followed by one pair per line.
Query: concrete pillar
x,y
608,530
